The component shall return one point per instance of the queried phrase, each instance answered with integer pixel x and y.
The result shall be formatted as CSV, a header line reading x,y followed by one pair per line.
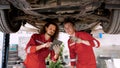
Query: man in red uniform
x,y
80,47
37,48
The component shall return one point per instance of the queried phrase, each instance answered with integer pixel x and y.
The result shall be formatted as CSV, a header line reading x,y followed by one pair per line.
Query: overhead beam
x,y
74,7
4,6
57,8
113,6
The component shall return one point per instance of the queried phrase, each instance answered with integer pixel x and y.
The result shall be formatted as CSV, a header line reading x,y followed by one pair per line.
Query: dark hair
x,y
69,20
43,30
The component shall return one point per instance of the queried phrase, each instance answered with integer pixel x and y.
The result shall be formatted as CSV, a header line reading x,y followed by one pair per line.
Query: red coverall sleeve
x,y
52,54
31,46
72,55
93,42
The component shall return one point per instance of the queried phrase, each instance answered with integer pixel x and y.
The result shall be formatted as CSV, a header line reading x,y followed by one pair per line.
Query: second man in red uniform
x,y
80,47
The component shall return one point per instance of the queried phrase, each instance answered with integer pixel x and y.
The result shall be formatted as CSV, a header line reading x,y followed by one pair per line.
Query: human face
x,y
69,28
50,30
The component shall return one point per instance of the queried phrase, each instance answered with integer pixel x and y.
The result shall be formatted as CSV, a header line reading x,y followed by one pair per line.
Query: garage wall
x,y
110,45
109,39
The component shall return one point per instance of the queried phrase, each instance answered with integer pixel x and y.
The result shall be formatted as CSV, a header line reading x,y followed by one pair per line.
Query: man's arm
x,y
45,45
86,39
57,50
33,49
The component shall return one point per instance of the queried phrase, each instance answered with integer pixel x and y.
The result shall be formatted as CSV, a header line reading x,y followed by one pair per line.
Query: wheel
x,y
113,27
7,25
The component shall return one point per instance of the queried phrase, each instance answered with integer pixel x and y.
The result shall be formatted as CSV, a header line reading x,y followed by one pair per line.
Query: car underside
x,y
85,13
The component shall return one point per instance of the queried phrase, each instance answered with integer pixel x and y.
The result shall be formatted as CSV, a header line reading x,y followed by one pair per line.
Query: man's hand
x,y
75,39
44,45
78,40
56,49
47,45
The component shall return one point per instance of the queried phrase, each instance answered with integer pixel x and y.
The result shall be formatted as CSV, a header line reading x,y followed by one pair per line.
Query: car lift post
x,y
5,50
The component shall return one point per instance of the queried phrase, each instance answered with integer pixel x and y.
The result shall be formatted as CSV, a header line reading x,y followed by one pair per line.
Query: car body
x,y
85,13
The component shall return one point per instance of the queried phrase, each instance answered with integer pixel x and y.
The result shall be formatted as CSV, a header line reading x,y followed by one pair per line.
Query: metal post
x,y
5,50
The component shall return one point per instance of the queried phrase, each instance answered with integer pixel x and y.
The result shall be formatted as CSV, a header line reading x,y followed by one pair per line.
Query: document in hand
x,y
55,42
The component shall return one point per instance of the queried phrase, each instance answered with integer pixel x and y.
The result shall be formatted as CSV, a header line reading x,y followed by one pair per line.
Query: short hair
x,y
69,20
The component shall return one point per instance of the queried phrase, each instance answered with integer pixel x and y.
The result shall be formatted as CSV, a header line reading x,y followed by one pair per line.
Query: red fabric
x,y
83,53
53,59
36,59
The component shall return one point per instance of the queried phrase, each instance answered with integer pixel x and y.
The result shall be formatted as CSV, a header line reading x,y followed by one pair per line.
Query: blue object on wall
x,y
100,35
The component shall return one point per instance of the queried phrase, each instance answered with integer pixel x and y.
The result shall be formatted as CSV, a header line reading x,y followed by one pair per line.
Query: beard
x,y
49,34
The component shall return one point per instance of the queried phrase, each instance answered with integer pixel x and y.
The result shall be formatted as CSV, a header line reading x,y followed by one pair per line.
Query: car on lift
x,y
85,13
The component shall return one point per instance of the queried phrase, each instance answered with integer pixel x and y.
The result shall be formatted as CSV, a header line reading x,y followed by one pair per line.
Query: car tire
x,y
6,24
113,27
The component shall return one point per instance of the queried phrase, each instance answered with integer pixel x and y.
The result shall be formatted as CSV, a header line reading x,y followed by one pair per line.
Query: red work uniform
x,y
82,55
36,59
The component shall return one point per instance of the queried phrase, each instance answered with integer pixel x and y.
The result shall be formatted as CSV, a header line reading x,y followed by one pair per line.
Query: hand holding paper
x,y
56,49
55,42
76,39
